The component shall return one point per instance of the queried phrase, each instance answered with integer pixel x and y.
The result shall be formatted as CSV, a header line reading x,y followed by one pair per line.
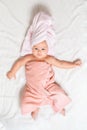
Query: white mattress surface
x,y
71,29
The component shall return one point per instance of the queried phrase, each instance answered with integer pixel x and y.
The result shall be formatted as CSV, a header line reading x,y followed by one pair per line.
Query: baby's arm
x,y
62,63
20,62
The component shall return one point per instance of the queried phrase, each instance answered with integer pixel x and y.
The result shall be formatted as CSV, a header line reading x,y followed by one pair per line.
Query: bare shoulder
x,y
27,58
50,59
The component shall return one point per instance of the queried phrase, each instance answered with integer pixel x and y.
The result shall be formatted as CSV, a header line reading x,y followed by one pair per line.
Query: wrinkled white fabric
x,y
70,21
42,28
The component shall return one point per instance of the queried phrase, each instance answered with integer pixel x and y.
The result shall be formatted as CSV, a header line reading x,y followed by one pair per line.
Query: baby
x,y
41,88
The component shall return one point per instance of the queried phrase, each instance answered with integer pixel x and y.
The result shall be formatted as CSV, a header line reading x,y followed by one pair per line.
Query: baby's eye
x,y
36,48
43,49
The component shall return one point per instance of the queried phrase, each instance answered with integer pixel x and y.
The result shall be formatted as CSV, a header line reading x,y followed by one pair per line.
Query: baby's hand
x,y
10,75
77,62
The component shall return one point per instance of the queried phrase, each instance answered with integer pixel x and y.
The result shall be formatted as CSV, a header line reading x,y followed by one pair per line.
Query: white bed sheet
x,y
71,29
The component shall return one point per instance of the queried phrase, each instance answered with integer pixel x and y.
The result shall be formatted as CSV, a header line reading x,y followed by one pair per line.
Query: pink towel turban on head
x,y
41,29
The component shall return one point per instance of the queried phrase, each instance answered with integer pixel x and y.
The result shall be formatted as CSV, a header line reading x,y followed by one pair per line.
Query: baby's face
x,y
40,50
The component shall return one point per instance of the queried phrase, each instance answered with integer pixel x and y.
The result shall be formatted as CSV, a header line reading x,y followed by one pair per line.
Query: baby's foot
x,y
34,114
63,112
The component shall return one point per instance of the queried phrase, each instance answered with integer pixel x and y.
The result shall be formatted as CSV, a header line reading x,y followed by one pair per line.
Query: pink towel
x,y
42,28
41,89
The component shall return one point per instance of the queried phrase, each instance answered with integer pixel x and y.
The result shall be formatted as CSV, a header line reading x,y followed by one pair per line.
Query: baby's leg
x,y
63,112
35,113
59,96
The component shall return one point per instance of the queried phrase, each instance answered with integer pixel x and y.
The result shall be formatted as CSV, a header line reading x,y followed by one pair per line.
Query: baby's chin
x,y
40,57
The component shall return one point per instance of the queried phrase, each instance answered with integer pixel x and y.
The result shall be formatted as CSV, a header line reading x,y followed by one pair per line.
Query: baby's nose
x,y
39,51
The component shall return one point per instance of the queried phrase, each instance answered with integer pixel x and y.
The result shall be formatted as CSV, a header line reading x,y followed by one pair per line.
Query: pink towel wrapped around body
x,y
41,88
